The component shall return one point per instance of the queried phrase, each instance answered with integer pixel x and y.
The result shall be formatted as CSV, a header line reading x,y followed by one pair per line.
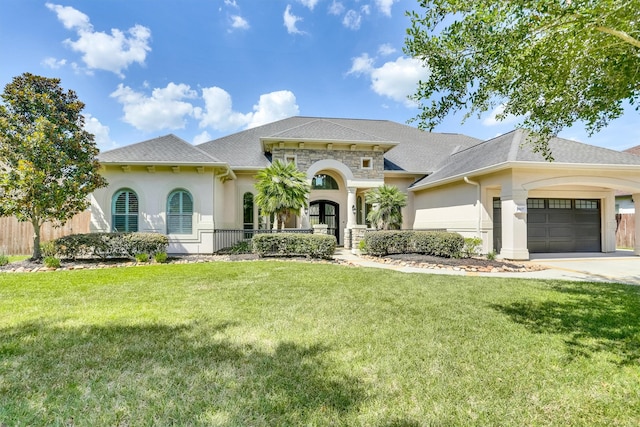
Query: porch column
x,y
636,205
514,225
351,207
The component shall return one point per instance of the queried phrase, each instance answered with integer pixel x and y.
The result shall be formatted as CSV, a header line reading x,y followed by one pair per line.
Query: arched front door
x,y
326,212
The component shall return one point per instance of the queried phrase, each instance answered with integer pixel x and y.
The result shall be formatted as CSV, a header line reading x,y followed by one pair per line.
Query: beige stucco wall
x,y
152,189
408,212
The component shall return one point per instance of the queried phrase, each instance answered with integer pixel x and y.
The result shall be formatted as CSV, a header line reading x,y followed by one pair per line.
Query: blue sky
x,y
202,69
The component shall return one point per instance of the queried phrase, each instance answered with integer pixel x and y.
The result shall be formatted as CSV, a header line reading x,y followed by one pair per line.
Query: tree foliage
x,y
282,190
550,62
48,162
387,203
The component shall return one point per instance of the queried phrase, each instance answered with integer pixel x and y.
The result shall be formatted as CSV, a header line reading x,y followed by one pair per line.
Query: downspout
x,y
477,184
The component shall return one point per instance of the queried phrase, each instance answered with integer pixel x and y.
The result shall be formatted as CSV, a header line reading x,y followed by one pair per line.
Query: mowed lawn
x,y
272,343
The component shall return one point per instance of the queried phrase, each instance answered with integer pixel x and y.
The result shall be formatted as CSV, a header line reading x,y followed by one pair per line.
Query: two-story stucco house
x,y
497,189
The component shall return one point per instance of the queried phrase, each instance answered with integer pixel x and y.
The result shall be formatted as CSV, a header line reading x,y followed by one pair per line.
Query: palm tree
x,y
388,202
281,190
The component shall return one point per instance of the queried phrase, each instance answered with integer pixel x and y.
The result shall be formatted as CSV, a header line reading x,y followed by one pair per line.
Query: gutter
x,y
477,184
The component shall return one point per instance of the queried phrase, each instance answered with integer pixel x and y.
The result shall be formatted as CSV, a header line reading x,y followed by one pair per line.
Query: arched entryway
x,y
326,212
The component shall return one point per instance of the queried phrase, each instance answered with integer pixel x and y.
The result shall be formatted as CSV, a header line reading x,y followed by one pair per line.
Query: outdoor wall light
x,y
353,209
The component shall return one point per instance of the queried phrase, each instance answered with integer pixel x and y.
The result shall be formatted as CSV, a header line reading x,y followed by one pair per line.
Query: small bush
x,y
362,246
294,244
143,257
51,262
4,260
471,247
110,245
160,257
48,249
436,243
492,255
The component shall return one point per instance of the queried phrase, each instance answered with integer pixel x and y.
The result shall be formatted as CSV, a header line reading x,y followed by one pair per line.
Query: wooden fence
x,y
16,238
625,233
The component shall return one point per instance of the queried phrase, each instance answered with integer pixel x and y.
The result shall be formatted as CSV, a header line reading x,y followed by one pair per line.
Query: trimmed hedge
x,y
294,244
437,243
110,245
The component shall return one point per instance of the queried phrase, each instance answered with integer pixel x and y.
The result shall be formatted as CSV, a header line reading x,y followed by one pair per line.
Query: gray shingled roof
x,y
325,130
512,148
164,149
418,151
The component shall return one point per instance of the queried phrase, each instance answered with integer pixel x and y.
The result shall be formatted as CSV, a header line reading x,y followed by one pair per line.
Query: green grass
x,y
278,343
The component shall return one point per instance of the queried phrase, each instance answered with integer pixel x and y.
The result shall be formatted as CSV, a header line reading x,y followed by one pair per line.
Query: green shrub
x,y
142,257
110,245
492,255
436,243
362,246
4,260
472,246
51,262
160,257
380,243
294,244
48,249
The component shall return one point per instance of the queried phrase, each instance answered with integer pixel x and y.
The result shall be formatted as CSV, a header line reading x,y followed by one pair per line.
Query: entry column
x,y
514,225
636,205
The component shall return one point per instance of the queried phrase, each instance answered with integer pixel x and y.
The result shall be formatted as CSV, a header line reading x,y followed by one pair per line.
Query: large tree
x,y
552,63
387,202
48,162
282,190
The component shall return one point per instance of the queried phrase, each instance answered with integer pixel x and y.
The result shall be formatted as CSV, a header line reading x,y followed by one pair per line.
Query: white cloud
x,y
395,79
274,106
54,63
239,22
309,3
366,9
202,137
219,115
493,120
352,20
111,52
386,49
363,64
100,131
336,8
164,109
70,17
385,6
291,21
231,3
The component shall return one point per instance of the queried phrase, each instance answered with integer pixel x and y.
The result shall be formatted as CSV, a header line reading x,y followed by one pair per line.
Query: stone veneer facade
x,y
350,158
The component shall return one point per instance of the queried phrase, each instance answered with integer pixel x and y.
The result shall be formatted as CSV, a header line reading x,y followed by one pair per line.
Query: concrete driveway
x,y
621,266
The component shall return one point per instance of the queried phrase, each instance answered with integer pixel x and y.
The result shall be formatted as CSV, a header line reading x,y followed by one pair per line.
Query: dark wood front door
x,y
326,212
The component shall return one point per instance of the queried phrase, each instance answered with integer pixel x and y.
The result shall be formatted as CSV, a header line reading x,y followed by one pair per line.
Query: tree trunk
x,y
37,255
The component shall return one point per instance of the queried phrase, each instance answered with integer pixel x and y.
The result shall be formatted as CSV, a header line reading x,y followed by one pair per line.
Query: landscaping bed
x,y
467,264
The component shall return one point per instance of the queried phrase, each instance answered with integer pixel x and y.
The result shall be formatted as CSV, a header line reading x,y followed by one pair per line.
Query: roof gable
x,y
164,149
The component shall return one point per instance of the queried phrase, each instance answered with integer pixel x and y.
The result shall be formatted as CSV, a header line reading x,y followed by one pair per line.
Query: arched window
x,y
324,182
247,211
124,210
179,212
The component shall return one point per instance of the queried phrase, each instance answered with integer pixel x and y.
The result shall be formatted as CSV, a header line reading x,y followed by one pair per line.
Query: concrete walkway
x,y
620,266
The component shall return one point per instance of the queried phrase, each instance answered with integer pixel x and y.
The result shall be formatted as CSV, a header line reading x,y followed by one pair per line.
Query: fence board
x,y
625,233
16,238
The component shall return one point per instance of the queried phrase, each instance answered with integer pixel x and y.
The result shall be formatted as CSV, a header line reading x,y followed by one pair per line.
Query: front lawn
x,y
272,343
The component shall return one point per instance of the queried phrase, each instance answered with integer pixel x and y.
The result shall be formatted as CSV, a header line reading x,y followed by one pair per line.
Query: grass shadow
x,y
593,317
158,374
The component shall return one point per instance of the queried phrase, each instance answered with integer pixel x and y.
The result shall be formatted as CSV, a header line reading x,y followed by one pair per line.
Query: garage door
x,y
563,225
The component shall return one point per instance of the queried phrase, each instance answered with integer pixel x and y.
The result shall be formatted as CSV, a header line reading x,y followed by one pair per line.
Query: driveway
x,y
621,266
